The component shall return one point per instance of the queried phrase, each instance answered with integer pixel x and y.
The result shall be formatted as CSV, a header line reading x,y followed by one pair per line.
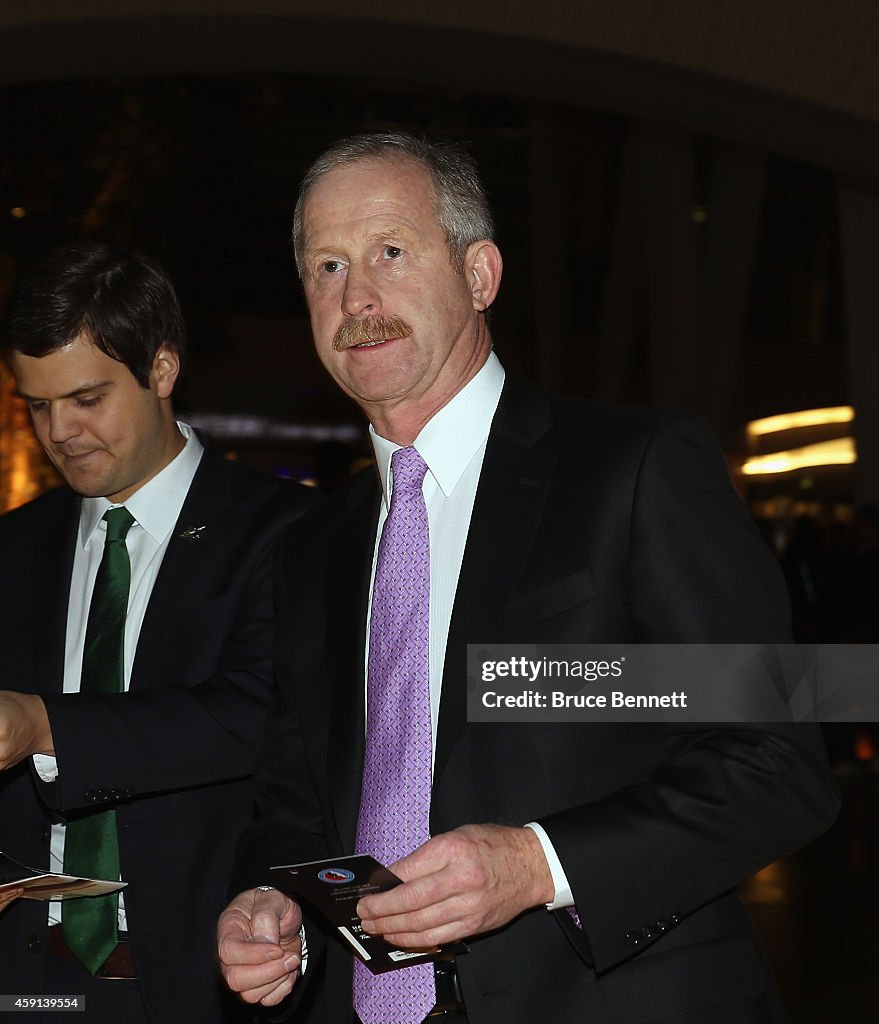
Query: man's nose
x,y
63,424
361,296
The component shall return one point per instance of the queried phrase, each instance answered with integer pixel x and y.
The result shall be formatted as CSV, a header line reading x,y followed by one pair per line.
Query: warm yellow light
x,y
838,452
803,418
18,212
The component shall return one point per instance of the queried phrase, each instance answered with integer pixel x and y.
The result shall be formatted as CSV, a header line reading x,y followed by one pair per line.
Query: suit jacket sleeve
x,y
291,824
196,714
724,801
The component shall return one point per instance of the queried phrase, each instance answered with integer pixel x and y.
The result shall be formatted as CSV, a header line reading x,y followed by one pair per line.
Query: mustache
x,y
370,328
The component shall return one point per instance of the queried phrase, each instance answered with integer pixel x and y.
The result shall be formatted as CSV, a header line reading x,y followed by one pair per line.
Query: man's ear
x,y
165,371
483,267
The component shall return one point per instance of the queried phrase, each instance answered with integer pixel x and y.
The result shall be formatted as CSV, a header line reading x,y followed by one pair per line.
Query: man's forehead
x,y
393,167
373,228
384,188
71,366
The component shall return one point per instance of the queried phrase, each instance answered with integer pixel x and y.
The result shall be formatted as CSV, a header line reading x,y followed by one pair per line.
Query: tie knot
x,y
409,469
119,521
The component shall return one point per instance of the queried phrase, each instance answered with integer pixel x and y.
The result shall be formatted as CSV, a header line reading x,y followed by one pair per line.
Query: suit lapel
x,y
52,569
177,584
506,514
348,564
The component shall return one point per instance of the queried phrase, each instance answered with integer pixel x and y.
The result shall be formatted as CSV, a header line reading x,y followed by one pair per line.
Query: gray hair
x,y
459,196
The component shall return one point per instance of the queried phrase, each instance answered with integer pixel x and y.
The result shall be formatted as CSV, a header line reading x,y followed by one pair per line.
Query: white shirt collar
x,y
155,506
449,440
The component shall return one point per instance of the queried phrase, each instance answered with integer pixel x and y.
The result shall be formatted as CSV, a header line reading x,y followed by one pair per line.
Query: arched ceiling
x,y
798,76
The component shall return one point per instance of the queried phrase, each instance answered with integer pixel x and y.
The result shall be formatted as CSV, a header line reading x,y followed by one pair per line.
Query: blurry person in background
x,y
135,633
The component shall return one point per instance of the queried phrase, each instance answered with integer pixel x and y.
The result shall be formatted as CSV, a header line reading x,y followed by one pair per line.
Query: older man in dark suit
x,y
135,625
591,869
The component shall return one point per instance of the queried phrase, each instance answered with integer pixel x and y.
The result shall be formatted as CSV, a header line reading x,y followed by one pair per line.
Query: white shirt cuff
x,y
46,767
563,895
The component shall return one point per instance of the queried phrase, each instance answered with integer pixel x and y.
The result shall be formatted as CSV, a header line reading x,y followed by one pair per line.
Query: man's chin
x,y
86,484
85,488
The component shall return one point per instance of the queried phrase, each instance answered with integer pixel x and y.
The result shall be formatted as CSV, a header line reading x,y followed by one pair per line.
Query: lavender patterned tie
x,y
395,800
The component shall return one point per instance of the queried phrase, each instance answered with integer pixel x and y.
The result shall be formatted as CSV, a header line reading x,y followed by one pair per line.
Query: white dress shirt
x,y
156,507
452,444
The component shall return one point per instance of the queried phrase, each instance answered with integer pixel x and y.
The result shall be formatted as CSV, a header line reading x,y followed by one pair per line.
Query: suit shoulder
x,y
259,489
632,419
43,513
593,426
527,410
329,513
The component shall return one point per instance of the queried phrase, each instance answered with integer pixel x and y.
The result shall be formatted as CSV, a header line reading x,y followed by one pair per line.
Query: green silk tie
x,y
91,847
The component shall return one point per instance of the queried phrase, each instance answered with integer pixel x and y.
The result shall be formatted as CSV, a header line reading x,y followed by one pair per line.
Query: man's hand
x,y
259,946
458,884
24,728
9,896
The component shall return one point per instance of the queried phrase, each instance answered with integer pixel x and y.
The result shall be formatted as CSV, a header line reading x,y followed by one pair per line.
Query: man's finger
x,y
456,916
454,931
234,950
265,926
243,976
279,993
427,916
412,896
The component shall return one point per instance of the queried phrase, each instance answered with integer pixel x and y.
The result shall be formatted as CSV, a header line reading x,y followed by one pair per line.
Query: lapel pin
x,y
193,533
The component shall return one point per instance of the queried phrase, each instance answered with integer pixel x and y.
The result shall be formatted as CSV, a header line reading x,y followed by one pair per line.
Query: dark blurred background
x,y
687,198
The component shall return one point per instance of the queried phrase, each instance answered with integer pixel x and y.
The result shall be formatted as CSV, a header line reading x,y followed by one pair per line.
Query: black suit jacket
x,y
175,754
591,524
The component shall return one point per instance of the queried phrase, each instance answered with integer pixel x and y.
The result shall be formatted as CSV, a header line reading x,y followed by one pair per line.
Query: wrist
x,y
43,741
542,889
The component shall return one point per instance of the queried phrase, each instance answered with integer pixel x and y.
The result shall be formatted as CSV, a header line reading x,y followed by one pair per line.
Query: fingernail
x,y
292,962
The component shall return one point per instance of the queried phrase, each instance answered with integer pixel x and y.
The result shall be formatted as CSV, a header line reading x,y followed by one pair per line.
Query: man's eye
x,y
36,406
391,252
331,266
88,403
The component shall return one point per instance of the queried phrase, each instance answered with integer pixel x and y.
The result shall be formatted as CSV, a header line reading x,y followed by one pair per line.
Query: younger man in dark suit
x,y
135,625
